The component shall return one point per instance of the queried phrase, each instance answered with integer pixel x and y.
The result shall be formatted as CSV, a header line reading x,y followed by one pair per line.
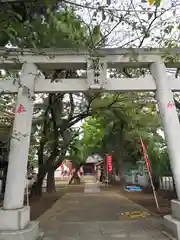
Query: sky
x,y
122,34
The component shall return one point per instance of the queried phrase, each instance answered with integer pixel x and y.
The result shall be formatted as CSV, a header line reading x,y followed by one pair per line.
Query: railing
x,y
166,183
138,179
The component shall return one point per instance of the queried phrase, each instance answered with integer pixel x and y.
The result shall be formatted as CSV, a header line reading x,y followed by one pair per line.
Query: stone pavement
x,y
91,187
98,216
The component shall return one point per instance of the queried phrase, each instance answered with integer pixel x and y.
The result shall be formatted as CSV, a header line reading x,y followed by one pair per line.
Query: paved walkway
x,y
91,187
98,216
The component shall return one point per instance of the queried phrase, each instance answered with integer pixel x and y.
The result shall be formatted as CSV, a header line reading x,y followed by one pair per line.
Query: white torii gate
x,y
14,217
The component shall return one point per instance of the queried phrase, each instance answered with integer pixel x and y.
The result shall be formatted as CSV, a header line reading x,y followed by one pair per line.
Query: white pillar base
x,y
172,222
31,232
16,225
12,220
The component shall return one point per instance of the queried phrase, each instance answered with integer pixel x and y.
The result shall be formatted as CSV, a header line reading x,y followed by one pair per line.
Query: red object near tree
x,y
21,109
70,166
146,141
109,163
146,156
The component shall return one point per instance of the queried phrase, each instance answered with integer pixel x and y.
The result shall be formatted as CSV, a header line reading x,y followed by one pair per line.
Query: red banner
x,y
146,156
109,163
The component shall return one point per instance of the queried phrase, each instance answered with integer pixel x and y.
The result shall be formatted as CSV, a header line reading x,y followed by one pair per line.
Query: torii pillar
x,y
171,127
14,216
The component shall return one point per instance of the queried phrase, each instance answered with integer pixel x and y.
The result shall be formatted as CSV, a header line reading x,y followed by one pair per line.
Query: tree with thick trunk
x,y
50,181
56,136
75,177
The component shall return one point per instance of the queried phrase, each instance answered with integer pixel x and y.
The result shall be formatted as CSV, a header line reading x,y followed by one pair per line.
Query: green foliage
x,y
76,155
35,25
7,106
116,126
63,30
93,133
32,158
158,155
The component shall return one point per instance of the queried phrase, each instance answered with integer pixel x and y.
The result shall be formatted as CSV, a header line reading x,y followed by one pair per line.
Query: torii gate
x,y
14,217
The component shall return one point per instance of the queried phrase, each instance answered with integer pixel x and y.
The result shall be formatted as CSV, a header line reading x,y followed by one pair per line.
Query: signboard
x,y
109,163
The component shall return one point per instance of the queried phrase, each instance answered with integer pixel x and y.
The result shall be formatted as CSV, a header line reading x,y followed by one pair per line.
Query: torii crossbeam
x,y
47,59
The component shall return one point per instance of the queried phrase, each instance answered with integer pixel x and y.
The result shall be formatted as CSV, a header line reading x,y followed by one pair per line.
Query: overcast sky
x,y
122,34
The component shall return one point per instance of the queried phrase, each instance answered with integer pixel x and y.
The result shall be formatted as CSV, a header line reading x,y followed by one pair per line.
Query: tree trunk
x,y
36,189
75,176
121,172
50,187
119,156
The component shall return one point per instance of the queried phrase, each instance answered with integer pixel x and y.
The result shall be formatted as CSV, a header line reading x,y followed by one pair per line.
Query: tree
x,y
90,39
158,155
77,158
55,134
117,129
21,21
93,133
58,25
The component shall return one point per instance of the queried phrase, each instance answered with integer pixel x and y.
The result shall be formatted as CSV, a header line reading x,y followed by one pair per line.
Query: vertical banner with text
x,y
109,163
